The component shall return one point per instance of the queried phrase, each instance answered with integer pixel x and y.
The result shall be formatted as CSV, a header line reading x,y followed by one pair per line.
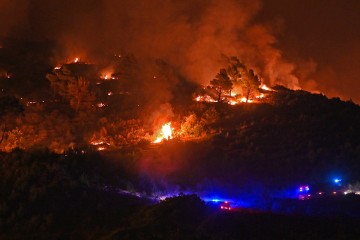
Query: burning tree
x,y
242,77
250,83
221,83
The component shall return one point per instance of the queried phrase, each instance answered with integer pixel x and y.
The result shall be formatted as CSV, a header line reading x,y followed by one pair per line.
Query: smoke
x,y
191,36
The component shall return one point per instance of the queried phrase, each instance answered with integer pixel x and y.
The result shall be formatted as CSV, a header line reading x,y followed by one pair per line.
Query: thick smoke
x,y
190,35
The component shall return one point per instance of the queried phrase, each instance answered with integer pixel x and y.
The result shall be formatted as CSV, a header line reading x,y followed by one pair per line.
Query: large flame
x,y
165,134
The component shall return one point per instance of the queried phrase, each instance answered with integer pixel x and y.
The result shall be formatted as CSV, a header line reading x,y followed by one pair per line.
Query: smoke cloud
x,y
191,36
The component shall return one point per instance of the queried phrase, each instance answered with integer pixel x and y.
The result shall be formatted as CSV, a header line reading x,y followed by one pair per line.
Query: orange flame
x,y
264,87
165,134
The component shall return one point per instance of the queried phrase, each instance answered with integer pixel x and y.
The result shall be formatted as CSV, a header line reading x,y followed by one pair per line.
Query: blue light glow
x,y
304,188
337,180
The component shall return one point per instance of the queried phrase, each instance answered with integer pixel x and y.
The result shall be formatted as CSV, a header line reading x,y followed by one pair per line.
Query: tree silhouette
x,y
75,89
240,76
221,83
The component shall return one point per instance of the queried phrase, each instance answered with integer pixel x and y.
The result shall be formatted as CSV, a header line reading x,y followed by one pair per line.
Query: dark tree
x,y
221,83
240,76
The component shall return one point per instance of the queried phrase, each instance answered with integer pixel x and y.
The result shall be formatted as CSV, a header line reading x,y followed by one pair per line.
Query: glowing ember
x,y
261,96
165,134
205,98
96,143
101,145
57,67
232,102
245,100
107,76
100,105
264,87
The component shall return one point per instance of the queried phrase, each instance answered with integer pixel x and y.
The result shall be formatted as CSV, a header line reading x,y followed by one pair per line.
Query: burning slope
x,y
235,98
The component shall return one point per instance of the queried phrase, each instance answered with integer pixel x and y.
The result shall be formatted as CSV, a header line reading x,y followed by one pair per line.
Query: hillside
x,y
92,148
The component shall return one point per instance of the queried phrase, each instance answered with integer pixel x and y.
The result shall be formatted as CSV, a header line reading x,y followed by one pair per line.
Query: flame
x,y
260,96
101,145
245,100
76,60
107,76
165,134
100,105
205,98
233,98
264,87
233,102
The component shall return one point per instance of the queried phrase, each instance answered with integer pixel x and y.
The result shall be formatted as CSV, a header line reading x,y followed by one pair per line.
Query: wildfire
x,y
245,100
100,144
165,134
107,76
205,98
260,96
100,105
264,87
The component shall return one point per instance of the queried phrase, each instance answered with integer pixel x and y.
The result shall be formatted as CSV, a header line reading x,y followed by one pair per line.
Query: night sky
x,y
314,45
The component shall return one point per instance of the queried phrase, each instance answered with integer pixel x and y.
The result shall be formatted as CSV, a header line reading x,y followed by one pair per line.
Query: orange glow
x,y
165,134
232,102
107,73
205,98
100,105
106,76
76,60
260,96
245,100
101,145
264,87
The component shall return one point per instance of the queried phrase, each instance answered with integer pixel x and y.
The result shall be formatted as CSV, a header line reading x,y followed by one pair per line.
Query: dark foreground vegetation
x,y
52,196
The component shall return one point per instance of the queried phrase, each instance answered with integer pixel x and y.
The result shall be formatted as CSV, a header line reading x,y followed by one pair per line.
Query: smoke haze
x,y
190,36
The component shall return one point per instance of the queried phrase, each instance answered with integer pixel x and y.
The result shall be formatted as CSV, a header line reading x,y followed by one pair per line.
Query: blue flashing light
x,y
215,200
304,188
337,180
